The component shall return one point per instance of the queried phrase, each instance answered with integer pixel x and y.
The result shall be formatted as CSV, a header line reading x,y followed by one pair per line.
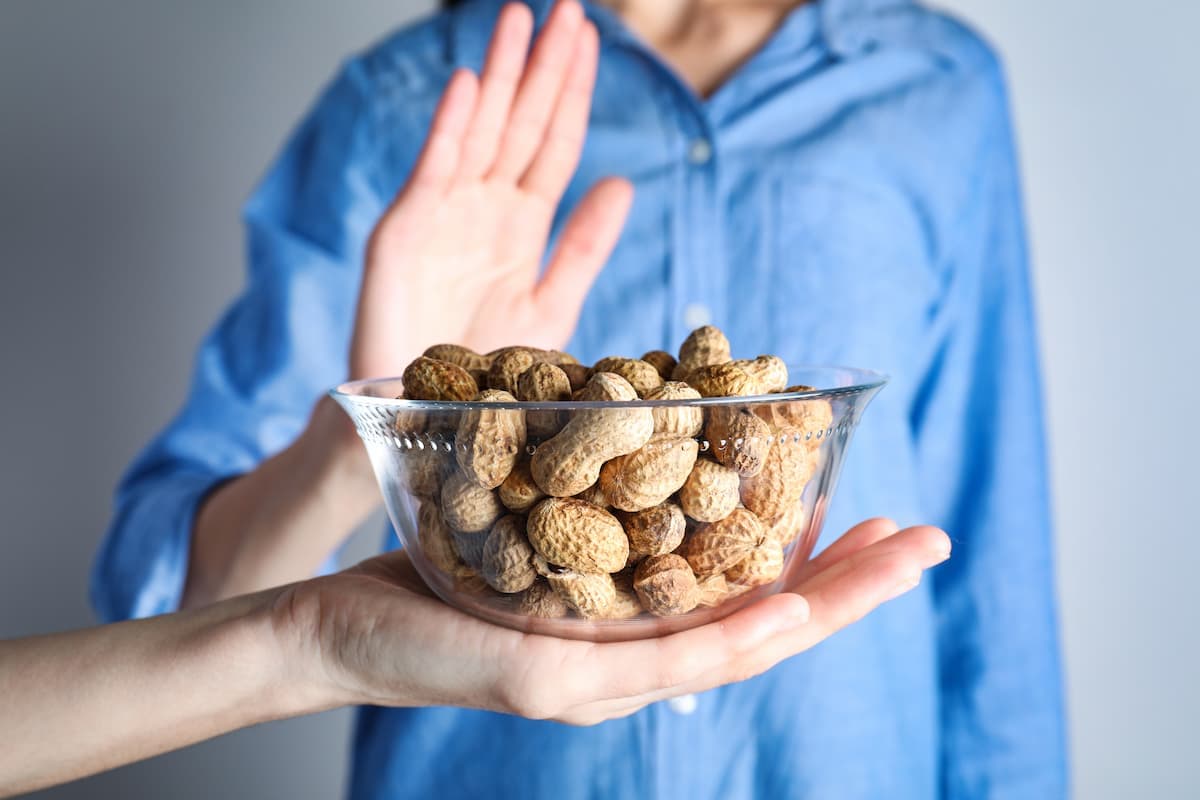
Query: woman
x,y
831,181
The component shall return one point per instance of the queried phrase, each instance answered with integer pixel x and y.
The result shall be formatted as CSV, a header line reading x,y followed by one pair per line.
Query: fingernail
x,y
905,586
796,614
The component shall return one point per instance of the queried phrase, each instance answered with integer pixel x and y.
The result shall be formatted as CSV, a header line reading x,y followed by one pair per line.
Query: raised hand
x,y
457,255
378,636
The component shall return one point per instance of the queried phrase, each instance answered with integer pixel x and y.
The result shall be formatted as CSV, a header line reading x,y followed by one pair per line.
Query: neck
x,y
658,19
704,40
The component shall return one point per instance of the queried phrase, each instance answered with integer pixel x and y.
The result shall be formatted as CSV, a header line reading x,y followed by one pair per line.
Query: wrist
x,y
286,654
330,446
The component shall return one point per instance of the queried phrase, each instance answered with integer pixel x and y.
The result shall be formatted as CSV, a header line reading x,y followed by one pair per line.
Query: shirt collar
x,y
846,25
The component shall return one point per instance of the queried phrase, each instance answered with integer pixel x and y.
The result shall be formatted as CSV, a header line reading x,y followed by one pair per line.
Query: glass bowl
x,y
760,472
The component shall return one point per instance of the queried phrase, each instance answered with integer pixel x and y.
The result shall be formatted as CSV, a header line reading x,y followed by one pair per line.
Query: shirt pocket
x,y
852,278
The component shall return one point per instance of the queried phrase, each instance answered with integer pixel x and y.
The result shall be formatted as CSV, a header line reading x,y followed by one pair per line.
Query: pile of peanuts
x,y
610,512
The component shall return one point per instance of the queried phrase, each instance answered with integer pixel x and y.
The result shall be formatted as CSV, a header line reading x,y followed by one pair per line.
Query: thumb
x,y
587,240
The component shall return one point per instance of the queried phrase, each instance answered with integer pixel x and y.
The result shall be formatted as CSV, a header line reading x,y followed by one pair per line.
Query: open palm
x,y
456,258
383,638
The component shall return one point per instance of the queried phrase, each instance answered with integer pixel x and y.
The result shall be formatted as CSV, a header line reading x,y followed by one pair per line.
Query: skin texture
x,y
80,702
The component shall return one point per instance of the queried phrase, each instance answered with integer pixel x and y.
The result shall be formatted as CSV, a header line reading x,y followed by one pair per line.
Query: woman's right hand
x,y
456,257
375,634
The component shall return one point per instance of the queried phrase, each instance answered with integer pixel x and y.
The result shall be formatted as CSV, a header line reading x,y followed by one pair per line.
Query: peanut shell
x,y
676,420
769,372
591,596
786,471
577,535
762,565
704,346
433,536
464,357
430,379
543,382
739,439
719,545
488,443
656,530
507,366
540,600
468,507
722,380
648,475
710,492
508,557
519,492
643,377
570,462
666,585
662,361
469,547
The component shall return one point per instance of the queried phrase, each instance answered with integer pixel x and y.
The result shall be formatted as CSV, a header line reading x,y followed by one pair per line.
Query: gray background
x,y
131,131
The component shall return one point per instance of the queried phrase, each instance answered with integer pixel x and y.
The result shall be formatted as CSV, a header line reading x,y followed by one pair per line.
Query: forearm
x,y
77,703
278,523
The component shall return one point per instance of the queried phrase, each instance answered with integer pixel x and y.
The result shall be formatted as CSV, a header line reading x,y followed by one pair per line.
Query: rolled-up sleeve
x,y
259,372
979,432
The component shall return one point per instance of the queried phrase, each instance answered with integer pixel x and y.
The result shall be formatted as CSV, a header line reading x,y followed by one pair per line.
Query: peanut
x,y
643,377
433,536
464,357
508,557
577,535
540,383
787,526
662,361
507,366
468,507
570,462
786,471
656,530
423,470
740,440
488,442
666,585
719,545
676,420
648,475
710,492
722,380
762,565
577,374
590,595
768,372
540,600
430,379
518,493
704,346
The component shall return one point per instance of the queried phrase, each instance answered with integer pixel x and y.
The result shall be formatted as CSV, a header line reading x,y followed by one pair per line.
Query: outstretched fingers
x,y
755,639
556,159
539,90
498,84
439,159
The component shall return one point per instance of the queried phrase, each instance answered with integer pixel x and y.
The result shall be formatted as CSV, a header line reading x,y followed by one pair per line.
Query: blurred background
x,y
132,130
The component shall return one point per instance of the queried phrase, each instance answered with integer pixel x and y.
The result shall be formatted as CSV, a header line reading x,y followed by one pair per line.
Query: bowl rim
x,y
862,381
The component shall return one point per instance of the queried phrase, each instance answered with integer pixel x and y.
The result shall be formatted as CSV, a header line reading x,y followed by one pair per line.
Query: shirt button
x,y
683,705
700,151
696,315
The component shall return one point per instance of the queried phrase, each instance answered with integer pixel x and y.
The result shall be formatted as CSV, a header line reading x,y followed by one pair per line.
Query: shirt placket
x,y
697,271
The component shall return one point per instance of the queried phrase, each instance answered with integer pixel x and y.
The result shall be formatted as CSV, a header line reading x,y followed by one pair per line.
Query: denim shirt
x,y
848,196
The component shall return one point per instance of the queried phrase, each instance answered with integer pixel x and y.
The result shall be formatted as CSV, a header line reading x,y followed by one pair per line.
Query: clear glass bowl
x,y
417,448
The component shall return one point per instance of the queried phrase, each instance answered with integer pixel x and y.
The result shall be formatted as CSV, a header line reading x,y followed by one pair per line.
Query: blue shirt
x,y
849,196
